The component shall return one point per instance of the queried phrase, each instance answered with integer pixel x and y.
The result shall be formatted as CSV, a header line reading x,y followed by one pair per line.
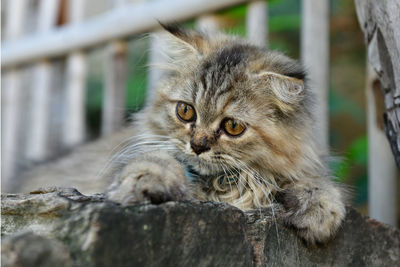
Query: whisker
x,y
129,148
255,178
228,183
276,229
237,186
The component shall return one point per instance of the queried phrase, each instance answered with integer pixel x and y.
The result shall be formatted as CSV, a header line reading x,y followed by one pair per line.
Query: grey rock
x,y
30,250
95,232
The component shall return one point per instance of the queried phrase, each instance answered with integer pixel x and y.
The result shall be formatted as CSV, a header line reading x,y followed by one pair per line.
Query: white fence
x,y
112,28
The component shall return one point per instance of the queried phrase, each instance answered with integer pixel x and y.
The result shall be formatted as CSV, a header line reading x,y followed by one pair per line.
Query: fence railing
x,y
123,20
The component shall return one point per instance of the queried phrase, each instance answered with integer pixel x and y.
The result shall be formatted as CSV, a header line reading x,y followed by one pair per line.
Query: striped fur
x,y
225,77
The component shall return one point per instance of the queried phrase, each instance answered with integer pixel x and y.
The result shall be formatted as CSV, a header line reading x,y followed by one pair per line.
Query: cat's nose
x,y
199,145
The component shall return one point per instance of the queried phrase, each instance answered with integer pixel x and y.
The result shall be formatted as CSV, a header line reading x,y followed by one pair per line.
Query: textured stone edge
x,y
92,229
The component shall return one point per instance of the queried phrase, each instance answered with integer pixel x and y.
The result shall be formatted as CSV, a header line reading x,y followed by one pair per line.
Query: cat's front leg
x,y
154,177
315,207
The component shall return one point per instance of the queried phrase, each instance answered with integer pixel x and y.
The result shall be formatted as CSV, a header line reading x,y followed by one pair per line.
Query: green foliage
x,y
340,103
284,23
356,155
235,12
137,74
356,158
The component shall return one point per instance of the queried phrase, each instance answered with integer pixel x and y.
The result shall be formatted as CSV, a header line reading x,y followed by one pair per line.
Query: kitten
x,y
231,123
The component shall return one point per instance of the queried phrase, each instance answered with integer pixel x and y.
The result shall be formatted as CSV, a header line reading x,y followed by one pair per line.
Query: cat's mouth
x,y
230,178
224,177
199,166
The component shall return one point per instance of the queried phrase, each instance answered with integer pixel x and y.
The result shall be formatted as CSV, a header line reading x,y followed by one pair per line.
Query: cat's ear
x,y
189,40
289,90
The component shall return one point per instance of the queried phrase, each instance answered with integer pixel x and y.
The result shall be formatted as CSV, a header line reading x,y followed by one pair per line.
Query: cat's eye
x,y
233,127
185,112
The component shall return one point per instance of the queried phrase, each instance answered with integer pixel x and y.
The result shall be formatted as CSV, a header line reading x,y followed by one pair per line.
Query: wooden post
x,y
119,24
115,84
208,23
257,23
75,112
379,21
315,57
10,100
155,57
37,146
382,170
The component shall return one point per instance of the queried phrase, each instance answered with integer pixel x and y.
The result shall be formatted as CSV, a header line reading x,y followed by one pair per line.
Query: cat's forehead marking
x,y
231,56
211,113
220,69
217,78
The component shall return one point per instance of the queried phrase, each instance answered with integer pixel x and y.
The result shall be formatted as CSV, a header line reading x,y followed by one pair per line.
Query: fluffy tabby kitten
x,y
231,123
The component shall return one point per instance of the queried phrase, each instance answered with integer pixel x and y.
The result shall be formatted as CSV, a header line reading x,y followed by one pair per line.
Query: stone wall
x,y
61,227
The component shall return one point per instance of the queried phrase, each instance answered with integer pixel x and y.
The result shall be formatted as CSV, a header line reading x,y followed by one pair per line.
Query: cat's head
x,y
229,104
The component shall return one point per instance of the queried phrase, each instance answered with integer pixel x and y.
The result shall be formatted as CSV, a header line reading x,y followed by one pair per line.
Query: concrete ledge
x,y
90,231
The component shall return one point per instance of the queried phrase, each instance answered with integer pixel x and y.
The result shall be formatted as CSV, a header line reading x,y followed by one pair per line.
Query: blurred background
x,y
58,97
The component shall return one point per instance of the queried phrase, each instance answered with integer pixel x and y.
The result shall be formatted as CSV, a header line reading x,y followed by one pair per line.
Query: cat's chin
x,y
200,166
207,169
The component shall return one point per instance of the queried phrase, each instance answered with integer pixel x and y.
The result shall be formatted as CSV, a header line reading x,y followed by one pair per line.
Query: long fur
x,y
274,160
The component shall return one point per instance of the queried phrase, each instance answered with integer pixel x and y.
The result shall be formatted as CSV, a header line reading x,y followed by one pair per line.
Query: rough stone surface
x,y
83,230
28,249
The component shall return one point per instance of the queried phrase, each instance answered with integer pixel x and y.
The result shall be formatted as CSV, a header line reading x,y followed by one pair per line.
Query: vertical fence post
x,y
74,127
37,146
115,86
257,23
208,23
315,57
113,111
382,170
155,58
11,102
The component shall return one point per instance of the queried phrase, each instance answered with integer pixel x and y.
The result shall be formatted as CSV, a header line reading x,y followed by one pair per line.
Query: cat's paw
x,y
315,213
149,183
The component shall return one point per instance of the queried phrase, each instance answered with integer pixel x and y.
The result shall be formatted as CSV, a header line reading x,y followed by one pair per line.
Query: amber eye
x,y
185,112
233,127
